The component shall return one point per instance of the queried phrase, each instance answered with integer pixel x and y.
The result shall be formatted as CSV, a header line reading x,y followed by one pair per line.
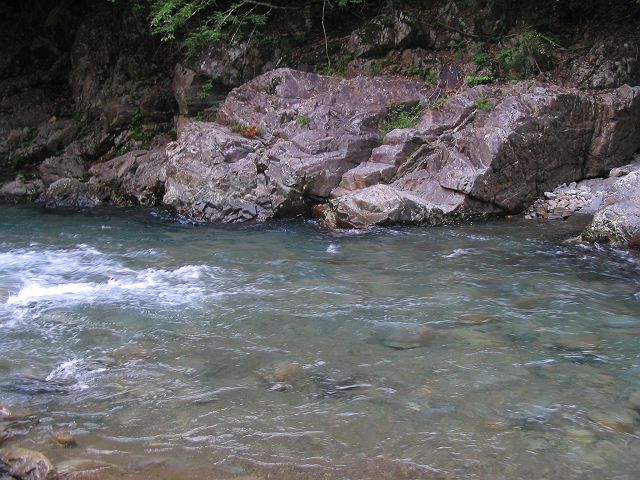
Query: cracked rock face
x,y
475,160
310,130
289,140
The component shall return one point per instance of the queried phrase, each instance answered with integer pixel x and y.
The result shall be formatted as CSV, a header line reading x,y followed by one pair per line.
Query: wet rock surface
x,y
24,464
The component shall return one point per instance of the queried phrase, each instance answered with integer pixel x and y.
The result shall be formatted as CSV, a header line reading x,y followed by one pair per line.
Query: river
x,y
490,350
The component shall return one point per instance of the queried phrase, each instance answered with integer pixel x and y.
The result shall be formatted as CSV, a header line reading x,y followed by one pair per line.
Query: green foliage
x,y
506,58
473,81
401,116
413,70
484,104
199,23
137,131
237,128
482,59
438,103
337,66
431,77
205,90
200,117
303,120
533,53
375,68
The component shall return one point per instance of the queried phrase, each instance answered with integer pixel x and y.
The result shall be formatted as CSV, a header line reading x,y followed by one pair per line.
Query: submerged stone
x,y
406,337
88,469
26,464
64,438
576,342
623,420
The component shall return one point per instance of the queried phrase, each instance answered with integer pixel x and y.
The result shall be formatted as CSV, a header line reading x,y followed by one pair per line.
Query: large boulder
x,y
495,150
71,192
618,218
24,464
21,190
136,177
281,143
63,166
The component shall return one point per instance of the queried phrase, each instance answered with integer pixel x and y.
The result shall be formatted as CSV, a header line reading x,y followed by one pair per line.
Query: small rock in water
x,y
64,438
496,425
623,420
5,413
581,435
576,342
278,387
83,468
406,337
285,372
476,318
26,464
633,401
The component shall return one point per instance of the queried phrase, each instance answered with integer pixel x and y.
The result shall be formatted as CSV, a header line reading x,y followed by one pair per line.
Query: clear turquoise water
x,y
152,339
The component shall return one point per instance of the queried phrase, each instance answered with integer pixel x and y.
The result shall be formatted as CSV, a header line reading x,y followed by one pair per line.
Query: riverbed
x,y
485,350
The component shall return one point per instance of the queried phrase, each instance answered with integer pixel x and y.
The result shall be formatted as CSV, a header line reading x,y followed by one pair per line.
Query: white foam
x,y
178,284
77,370
459,252
333,248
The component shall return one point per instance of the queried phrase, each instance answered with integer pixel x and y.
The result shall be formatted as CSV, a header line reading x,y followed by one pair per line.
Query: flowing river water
x,y
491,350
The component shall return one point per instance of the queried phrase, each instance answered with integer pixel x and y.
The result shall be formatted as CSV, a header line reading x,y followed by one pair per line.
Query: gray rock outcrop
x,y
494,150
288,140
618,218
294,135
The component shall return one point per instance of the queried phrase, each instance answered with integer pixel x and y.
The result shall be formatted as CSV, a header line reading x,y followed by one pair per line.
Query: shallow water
x,y
156,341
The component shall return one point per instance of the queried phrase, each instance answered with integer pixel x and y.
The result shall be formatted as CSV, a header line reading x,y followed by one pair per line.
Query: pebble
x,y
476,318
496,425
64,438
576,342
582,435
5,413
633,401
405,337
286,372
622,421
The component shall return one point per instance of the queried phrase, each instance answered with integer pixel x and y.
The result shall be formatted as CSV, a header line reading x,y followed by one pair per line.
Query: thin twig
x,y
326,40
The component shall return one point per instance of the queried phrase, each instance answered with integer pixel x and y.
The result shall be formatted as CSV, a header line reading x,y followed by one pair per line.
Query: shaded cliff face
x,y
80,79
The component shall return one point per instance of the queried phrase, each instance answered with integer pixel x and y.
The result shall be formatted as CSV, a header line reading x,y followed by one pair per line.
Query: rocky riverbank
x,y
432,134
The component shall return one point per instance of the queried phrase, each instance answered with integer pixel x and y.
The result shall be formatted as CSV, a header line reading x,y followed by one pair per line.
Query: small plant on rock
x,y
205,90
474,81
303,120
431,76
251,131
484,104
401,116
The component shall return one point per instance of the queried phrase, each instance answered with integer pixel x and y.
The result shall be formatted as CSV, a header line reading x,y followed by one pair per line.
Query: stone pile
x,y
564,201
